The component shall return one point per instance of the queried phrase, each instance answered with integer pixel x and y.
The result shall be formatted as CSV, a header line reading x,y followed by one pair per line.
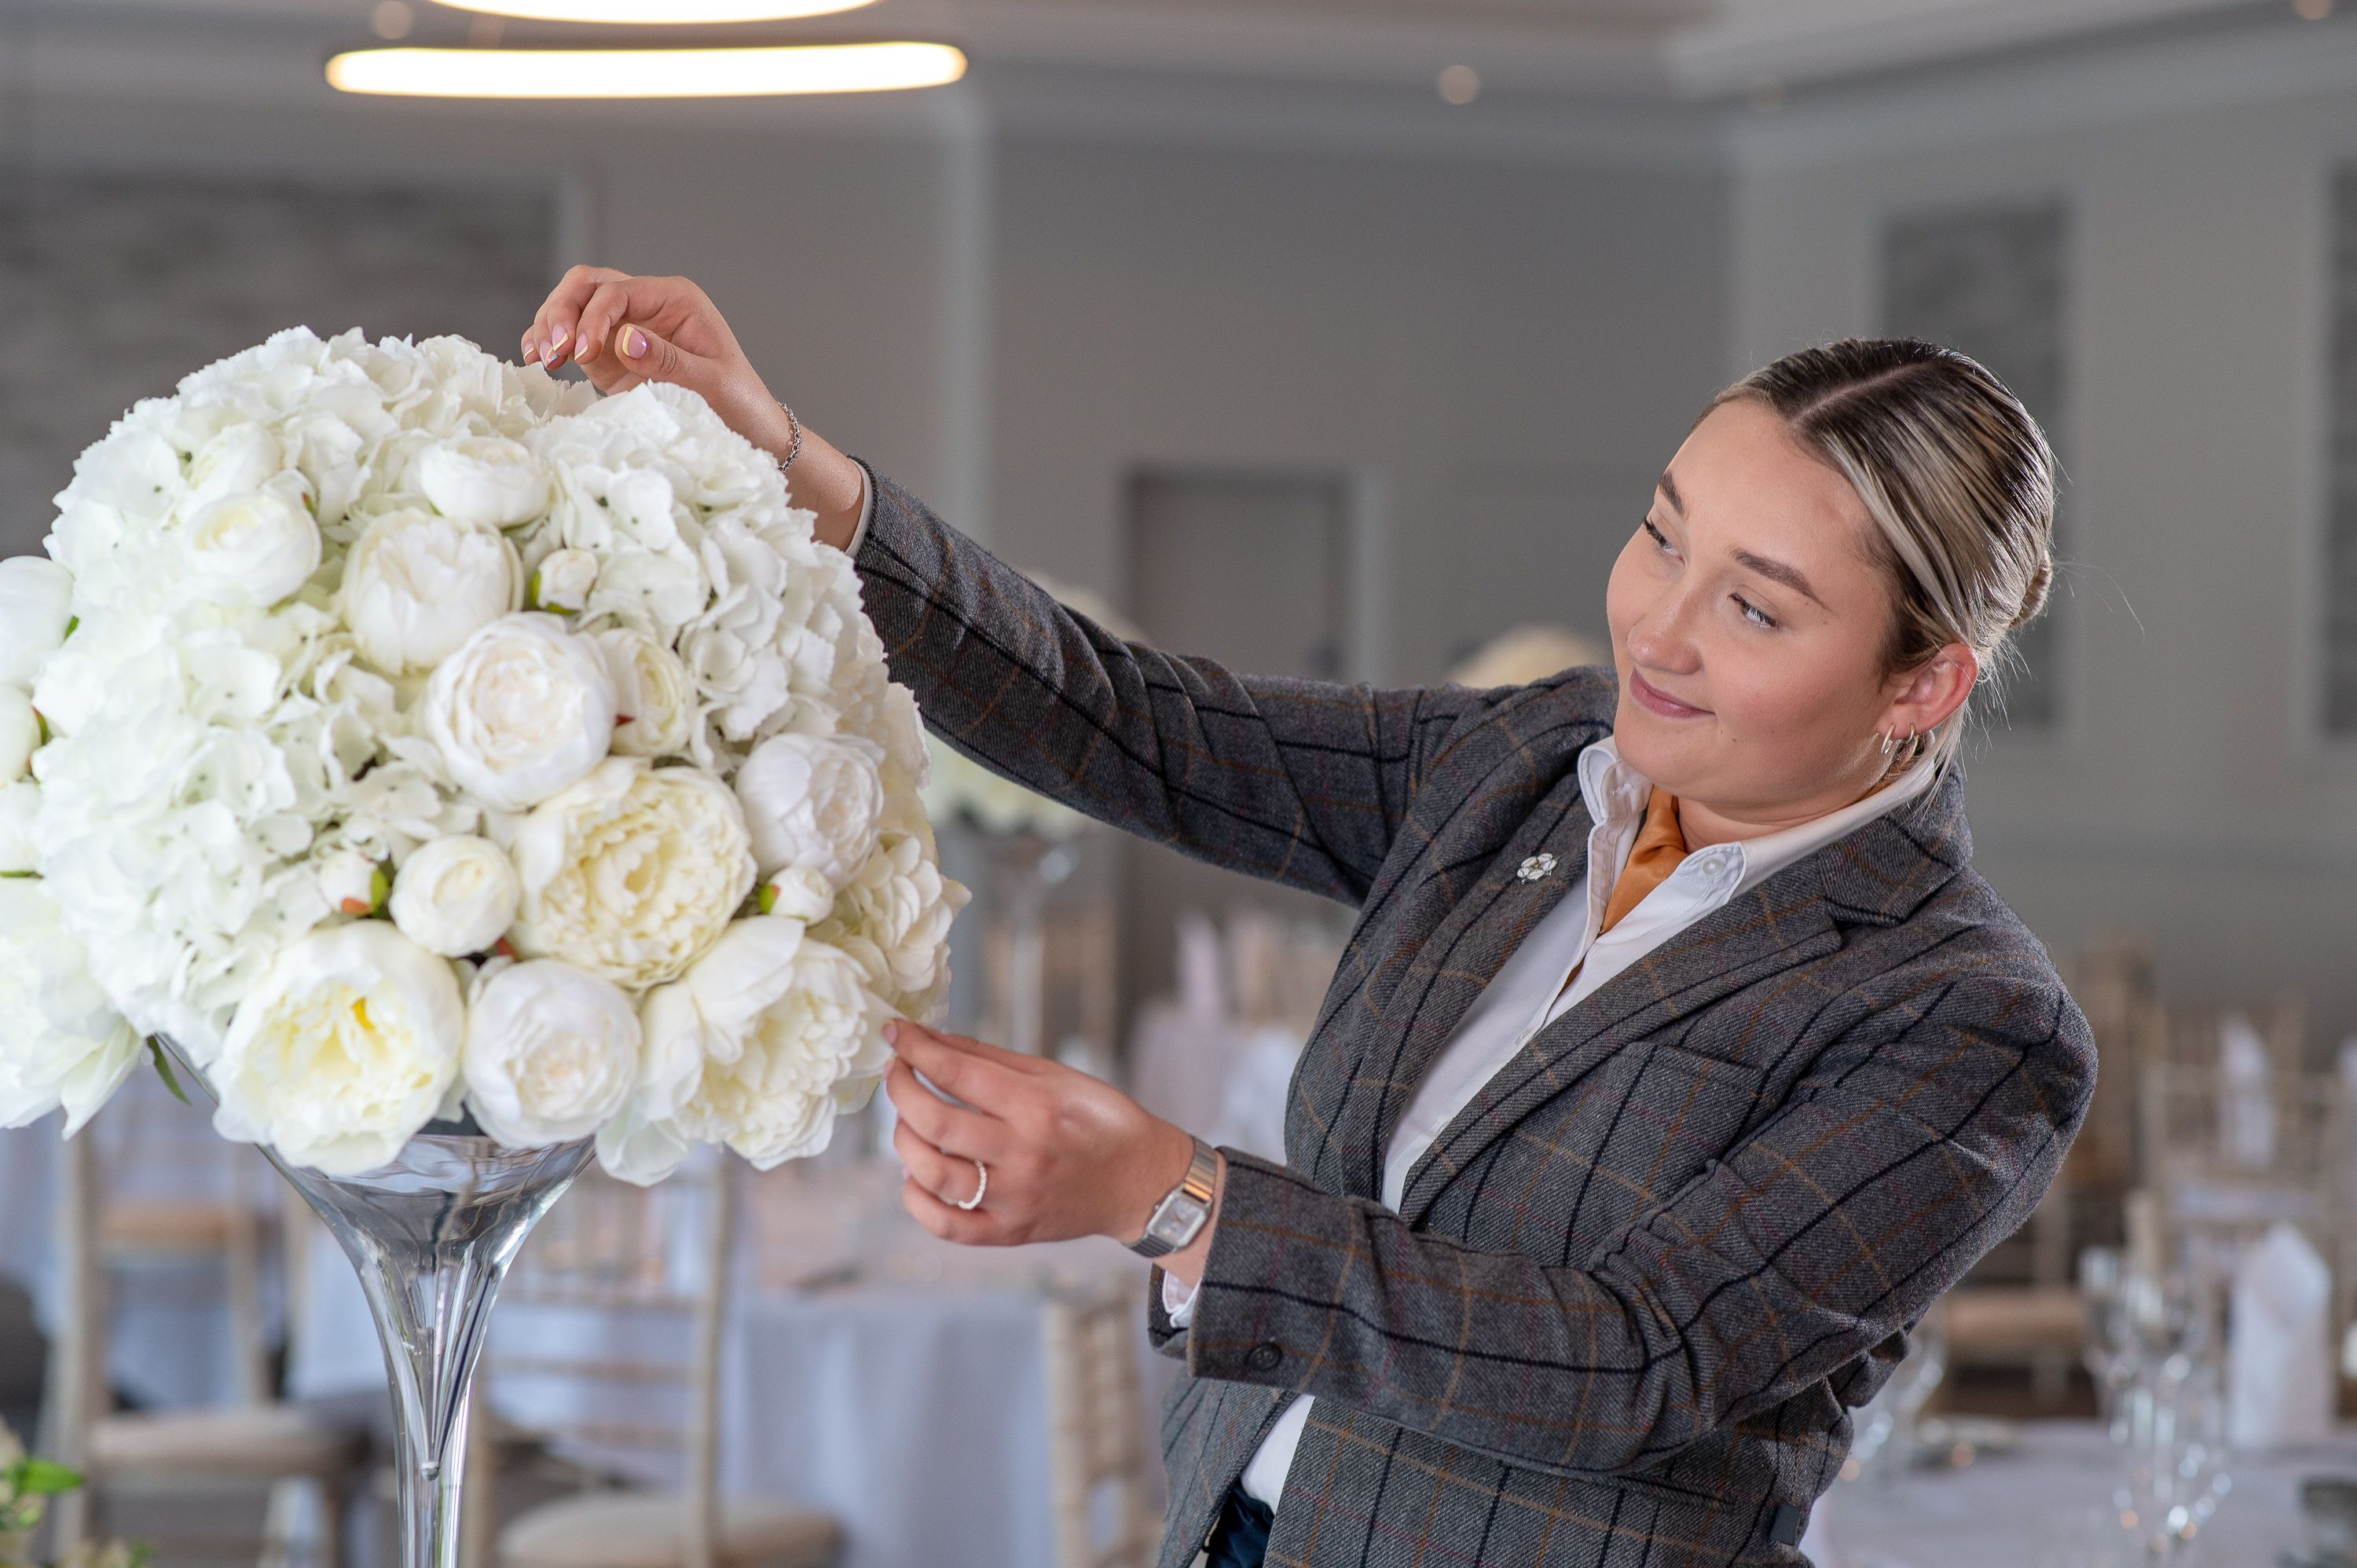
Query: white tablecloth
x,y
2047,1504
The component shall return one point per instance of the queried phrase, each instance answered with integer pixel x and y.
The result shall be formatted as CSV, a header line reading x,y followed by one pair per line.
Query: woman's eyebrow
x,y
1777,571
1669,489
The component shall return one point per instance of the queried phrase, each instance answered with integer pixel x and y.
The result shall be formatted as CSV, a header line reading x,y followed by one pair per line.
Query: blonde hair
x,y
1958,476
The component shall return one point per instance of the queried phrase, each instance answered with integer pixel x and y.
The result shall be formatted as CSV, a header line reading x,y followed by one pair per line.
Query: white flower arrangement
x,y
399,732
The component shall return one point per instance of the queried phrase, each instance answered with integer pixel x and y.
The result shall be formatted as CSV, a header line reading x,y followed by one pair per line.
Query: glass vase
x,y
431,1235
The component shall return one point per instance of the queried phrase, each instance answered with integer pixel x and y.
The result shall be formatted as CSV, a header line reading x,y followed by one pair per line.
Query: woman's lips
x,y
1656,700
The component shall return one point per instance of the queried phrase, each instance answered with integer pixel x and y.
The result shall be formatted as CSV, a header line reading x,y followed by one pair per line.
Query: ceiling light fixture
x,y
668,12
645,73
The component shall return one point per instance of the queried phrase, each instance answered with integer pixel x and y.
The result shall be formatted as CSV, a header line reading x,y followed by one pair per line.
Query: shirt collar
x,y
1615,794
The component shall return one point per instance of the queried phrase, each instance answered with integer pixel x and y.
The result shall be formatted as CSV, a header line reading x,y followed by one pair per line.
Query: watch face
x,y
1176,1222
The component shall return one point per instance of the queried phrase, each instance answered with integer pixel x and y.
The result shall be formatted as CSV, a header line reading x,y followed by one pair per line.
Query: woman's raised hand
x,y
1068,1154
623,331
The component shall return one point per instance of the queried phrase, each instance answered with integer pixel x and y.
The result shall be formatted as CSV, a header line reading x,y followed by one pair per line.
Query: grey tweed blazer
x,y
1637,1286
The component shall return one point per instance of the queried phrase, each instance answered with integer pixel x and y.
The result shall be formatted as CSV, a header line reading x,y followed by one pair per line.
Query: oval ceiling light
x,y
646,73
668,12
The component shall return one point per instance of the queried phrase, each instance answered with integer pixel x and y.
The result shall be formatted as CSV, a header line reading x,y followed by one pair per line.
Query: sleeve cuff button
x,y
1264,1358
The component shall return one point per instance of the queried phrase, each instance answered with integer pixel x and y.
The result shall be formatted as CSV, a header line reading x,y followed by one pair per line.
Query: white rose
x,y
894,917
814,801
61,1043
255,548
521,710
36,606
551,1054
351,882
19,803
240,459
654,703
483,479
345,1050
417,586
20,733
565,581
456,896
760,1047
633,872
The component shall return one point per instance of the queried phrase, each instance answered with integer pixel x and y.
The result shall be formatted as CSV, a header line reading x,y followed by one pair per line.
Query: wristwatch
x,y
1180,1218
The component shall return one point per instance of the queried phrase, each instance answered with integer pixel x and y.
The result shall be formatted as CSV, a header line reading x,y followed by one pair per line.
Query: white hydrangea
x,y
284,651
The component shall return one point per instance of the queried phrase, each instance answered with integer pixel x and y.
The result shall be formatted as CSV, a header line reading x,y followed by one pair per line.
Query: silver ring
x,y
971,1204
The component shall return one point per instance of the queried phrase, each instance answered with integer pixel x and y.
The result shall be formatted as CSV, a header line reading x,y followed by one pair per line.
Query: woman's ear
x,y
1931,697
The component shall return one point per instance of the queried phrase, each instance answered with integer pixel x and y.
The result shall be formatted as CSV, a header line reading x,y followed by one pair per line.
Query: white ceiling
x,y
1664,49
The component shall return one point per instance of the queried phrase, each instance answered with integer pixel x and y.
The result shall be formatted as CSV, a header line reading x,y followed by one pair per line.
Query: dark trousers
x,y
1241,1538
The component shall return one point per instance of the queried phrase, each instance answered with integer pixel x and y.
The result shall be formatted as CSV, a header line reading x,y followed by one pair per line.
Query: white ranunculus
x,y
654,704
346,1049
483,479
797,893
36,606
20,733
456,896
417,586
552,1053
633,872
19,803
521,710
764,1042
242,458
893,917
61,1043
352,882
565,581
814,801
255,548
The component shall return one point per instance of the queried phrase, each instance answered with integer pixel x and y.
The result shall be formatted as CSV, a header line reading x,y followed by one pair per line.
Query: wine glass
x,y
2175,1472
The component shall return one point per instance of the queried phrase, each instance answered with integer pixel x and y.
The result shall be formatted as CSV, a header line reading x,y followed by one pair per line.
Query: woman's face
x,y
1748,626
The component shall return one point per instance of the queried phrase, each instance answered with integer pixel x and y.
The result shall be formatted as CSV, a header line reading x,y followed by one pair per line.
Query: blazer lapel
x,y
1458,959
1879,875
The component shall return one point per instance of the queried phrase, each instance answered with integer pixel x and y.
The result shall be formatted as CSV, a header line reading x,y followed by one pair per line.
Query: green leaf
x,y
42,1478
72,626
164,1069
17,875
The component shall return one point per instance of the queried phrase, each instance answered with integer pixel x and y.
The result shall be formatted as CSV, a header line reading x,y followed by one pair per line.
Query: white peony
x,y
19,804
61,1043
486,480
456,896
255,548
417,586
654,705
240,459
551,1054
20,733
894,917
353,882
565,581
521,710
796,893
35,607
812,801
633,872
346,1049
764,1042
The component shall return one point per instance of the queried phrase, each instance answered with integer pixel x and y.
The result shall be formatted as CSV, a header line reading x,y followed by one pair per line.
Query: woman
x,y
1679,1061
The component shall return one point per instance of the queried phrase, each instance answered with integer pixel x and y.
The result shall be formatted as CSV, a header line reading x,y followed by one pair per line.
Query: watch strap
x,y
1197,1186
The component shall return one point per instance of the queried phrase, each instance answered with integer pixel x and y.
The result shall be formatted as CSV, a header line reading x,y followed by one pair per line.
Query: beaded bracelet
x,y
796,449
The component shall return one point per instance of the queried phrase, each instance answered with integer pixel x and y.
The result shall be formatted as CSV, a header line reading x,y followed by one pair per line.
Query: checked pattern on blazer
x,y
1636,1287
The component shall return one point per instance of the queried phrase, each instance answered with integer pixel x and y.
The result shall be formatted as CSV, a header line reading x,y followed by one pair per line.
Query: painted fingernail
x,y
635,345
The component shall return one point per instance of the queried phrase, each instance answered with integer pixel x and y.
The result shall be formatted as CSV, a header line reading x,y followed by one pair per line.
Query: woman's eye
x,y
1752,612
1660,541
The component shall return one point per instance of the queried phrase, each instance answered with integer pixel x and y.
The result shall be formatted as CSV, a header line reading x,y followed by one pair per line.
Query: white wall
x,y
2188,798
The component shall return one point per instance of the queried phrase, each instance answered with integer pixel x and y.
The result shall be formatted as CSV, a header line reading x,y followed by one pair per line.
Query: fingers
x,y
966,1134
978,1228
983,1076
551,326
952,1178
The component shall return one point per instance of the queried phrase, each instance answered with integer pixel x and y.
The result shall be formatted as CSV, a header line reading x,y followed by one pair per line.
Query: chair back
x,y
1097,1458
615,1266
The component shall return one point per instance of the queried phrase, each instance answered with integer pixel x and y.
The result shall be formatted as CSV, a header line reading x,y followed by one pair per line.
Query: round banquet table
x,y
2047,1504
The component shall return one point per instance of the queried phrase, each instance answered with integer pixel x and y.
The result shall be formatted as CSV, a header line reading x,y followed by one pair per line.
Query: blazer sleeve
x,y
1907,1151
1303,782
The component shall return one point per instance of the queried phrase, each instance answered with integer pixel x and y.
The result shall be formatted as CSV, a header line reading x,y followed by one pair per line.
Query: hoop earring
x,y
1889,741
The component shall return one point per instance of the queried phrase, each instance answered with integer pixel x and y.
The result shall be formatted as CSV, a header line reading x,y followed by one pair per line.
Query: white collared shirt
x,y
1561,962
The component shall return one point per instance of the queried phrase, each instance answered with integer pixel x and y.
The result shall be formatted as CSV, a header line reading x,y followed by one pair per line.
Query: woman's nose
x,y
1659,640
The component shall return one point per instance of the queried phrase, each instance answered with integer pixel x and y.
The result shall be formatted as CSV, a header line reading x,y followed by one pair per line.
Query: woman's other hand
x,y
623,331
1068,1154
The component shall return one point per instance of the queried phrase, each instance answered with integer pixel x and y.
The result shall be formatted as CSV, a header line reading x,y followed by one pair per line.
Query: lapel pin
x,y
1536,868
